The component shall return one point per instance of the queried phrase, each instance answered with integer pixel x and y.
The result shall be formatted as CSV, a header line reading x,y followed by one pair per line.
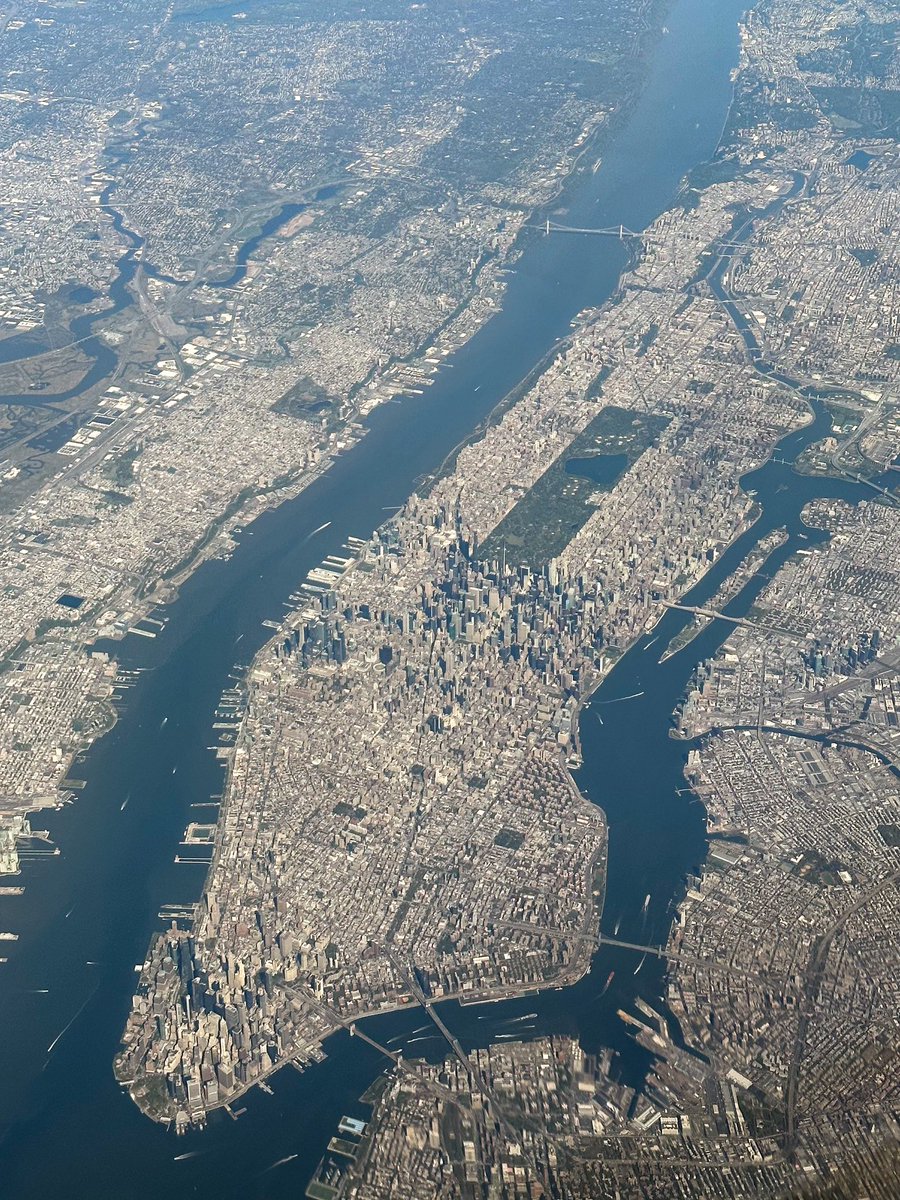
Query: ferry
x,y
519,1020
281,1161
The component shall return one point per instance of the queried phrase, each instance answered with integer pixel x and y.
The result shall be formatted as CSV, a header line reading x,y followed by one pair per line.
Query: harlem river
x,y
68,1130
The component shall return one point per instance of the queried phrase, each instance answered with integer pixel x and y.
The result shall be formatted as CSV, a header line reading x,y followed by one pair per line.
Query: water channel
x,y
87,915
100,354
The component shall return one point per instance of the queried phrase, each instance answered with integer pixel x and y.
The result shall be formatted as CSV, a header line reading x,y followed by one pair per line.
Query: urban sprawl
x,y
400,822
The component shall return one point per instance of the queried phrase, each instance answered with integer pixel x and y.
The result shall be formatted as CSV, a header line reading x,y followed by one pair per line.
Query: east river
x,y
88,915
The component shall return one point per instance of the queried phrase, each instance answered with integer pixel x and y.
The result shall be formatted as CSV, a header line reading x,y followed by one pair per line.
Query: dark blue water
x,y
88,915
285,213
602,469
82,295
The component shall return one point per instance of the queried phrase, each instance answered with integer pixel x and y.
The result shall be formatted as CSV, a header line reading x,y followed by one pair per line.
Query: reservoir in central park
x,y
68,1128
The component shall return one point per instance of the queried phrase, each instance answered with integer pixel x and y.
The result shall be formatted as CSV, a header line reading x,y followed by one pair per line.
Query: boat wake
x,y
279,1162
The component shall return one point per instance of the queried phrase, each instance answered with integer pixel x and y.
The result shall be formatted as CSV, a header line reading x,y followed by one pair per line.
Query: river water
x,y
88,914
101,356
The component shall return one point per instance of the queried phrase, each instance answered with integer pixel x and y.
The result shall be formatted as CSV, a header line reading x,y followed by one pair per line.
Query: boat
x,y
280,1161
519,1020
